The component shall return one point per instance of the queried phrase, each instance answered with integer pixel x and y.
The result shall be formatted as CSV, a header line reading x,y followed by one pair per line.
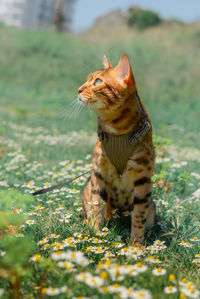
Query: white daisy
x,y
159,271
170,290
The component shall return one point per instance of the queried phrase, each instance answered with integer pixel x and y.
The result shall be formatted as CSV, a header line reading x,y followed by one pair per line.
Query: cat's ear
x,y
124,71
106,63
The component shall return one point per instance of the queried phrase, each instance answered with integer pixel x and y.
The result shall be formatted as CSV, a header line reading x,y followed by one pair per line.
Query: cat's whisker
x,y
71,105
78,111
71,109
68,108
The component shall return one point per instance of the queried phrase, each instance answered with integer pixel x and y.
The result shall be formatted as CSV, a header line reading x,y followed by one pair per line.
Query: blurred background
x,y
48,47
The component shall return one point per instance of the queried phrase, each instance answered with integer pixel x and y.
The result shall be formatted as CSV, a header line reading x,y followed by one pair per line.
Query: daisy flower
x,y
66,265
60,208
39,208
196,261
94,281
115,288
145,294
58,255
35,258
159,271
170,290
54,236
17,211
118,245
83,276
42,242
30,213
152,260
68,215
51,291
30,222
185,244
46,246
49,201
57,212
140,268
195,239
191,292
19,235
77,235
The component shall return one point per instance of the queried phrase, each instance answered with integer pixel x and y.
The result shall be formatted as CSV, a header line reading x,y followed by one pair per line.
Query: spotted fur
x,y
112,94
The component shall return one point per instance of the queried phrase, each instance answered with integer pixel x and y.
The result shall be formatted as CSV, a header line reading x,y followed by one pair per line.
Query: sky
x,y
86,11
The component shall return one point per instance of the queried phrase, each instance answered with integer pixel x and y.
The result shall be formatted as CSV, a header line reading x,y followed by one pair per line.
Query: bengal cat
x,y
112,94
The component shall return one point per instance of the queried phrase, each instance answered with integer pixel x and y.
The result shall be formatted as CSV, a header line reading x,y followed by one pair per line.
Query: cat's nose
x,y
80,89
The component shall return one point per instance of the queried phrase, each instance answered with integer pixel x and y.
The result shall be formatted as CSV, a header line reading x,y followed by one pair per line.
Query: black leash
x,y
42,191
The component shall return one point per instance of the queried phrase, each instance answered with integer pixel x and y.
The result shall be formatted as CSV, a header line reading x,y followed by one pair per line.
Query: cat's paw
x,y
135,241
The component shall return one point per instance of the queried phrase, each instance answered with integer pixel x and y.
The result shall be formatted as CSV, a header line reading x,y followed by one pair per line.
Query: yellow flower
x,y
116,286
44,290
150,257
35,258
100,265
172,277
104,289
141,293
184,280
104,275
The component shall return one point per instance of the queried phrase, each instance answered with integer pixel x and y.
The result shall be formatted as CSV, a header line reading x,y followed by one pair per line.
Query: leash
x,y
42,191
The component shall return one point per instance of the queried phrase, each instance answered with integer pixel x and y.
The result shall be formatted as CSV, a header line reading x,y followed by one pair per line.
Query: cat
x,y
123,157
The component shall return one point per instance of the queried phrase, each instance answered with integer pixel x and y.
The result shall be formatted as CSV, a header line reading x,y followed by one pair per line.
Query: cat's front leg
x,y
92,197
142,199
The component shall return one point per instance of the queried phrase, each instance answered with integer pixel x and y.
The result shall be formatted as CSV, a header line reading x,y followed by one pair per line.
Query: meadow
x,y
45,246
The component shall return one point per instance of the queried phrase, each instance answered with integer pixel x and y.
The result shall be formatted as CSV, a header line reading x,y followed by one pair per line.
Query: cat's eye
x,y
97,82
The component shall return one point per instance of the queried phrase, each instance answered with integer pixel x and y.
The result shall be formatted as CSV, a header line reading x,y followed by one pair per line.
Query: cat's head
x,y
108,88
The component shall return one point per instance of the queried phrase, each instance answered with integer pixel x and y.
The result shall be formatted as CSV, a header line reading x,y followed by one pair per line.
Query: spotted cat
x,y
123,157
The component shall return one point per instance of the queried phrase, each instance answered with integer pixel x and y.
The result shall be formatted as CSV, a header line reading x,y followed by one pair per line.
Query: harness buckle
x,y
134,140
140,133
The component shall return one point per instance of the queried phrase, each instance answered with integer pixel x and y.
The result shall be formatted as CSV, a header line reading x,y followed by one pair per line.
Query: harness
x,y
119,148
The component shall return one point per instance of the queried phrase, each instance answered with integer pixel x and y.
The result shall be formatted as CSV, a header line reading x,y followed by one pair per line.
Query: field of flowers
x,y
46,249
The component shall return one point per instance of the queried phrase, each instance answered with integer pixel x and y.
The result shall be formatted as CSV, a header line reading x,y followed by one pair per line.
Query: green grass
x,y
39,76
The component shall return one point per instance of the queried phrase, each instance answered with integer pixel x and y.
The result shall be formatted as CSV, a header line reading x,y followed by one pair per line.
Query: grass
x,y
39,76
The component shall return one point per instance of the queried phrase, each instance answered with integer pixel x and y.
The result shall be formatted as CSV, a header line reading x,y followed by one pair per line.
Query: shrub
x,y
143,18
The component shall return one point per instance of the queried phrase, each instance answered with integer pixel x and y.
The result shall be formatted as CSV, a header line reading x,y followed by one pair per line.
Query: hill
x,y
134,17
